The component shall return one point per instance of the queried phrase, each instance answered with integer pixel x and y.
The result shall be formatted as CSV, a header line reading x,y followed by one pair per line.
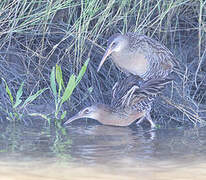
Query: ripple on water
x,y
102,151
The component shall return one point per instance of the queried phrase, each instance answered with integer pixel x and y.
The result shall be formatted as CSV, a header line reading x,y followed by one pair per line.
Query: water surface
x,y
93,151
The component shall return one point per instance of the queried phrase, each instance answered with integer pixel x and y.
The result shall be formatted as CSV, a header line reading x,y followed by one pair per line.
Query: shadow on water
x,y
96,150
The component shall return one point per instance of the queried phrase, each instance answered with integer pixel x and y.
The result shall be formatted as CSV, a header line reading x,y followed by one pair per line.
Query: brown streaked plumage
x,y
139,55
129,103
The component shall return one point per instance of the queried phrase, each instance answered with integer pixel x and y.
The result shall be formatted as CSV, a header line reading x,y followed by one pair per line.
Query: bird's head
x,y
116,44
93,112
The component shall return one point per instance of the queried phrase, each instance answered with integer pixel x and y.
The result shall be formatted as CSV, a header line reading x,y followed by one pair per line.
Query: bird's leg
x,y
149,118
129,94
152,124
139,121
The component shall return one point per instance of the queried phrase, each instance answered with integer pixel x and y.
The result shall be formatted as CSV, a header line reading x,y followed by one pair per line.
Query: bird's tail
x,y
152,87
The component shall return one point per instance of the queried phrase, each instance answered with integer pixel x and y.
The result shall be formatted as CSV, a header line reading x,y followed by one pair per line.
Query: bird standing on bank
x,y
129,103
140,55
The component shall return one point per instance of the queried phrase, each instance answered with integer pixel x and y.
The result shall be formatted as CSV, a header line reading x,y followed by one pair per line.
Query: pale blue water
x,y
93,146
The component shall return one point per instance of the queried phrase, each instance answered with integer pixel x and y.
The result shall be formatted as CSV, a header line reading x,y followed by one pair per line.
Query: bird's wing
x,y
130,93
153,48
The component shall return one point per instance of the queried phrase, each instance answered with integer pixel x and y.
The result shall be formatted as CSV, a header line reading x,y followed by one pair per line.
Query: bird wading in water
x,y
129,103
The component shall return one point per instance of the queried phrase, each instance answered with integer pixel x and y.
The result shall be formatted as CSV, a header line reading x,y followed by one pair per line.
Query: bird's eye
x,y
114,44
86,111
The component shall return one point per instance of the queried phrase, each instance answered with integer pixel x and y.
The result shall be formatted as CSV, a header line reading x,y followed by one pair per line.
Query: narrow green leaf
x,y
69,89
60,88
82,71
9,92
59,75
41,115
33,97
59,79
17,103
18,95
63,114
53,83
11,116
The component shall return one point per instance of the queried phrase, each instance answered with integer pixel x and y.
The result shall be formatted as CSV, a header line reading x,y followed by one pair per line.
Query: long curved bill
x,y
106,54
75,117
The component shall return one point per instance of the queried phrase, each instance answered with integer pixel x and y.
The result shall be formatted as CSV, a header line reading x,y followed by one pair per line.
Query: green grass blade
x,y
18,95
41,115
53,83
73,83
69,89
82,71
59,80
8,92
63,114
33,97
59,75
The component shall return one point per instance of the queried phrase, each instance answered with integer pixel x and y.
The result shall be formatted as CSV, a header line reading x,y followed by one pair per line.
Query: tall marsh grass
x,y
37,35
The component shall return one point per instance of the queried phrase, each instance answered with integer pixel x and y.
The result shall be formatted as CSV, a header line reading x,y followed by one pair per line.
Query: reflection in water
x,y
107,144
97,151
